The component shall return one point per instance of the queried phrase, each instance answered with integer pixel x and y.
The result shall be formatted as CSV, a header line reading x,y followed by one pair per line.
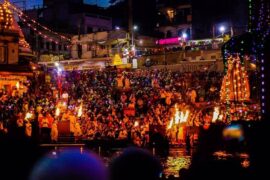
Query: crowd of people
x,y
113,104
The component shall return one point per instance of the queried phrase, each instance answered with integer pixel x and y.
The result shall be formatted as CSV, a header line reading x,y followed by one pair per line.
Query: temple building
x,y
14,51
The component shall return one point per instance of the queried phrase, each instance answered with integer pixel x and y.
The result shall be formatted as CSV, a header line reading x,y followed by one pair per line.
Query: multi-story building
x,y
69,17
174,18
72,16
15,66
212,18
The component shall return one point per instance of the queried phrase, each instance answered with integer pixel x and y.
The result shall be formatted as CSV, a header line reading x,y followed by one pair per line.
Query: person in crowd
x,y
134,164
110,110
54,132
70,165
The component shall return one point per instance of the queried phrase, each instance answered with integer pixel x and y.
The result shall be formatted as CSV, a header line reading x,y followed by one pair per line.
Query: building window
x,y
170,13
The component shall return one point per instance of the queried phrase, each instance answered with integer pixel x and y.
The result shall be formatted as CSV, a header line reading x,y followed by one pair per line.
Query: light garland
x,y
44,36
262,29
235,86
6,17
40,33
20,13
259,28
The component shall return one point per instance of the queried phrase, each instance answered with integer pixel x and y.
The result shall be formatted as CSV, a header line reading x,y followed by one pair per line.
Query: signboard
x,y
13,78
167,41
134,63
124,60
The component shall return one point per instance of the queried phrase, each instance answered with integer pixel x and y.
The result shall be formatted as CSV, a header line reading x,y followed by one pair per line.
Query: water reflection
x,y
177,160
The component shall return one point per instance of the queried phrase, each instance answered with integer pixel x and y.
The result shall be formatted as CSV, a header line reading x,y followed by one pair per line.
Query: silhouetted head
x,y
70,165
135,164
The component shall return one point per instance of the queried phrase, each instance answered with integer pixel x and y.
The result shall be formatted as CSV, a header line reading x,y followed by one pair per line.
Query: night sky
x,y
31,3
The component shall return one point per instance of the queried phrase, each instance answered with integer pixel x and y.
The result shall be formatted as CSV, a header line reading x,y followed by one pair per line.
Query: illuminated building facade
x,y
174,18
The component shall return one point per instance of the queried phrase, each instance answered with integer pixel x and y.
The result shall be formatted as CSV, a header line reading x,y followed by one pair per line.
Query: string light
x,y
240,82
6,17
20,13
38,32
259,29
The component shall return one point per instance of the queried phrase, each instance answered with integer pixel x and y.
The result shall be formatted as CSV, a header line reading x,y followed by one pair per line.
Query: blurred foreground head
x,y
70,165
135,164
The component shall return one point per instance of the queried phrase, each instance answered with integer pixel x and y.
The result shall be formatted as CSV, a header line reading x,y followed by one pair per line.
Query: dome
x,y
6,17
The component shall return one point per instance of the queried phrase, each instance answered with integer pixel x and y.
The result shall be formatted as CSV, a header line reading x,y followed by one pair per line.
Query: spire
x,y
6,17
8,22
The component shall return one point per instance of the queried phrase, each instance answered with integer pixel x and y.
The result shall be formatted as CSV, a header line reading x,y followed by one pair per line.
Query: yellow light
x,y
215,114
184,116
136,124
80,111
18,85
28,116
170,124
57,112
177,117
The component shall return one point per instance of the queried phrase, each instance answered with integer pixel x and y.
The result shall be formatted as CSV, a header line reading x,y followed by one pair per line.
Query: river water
x,y
176,159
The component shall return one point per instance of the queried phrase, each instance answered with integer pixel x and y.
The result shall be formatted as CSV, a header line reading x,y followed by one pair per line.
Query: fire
x,y
179,117
171,123
28,116
18,85
215,114
80,111
184,116
57,112
136,124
